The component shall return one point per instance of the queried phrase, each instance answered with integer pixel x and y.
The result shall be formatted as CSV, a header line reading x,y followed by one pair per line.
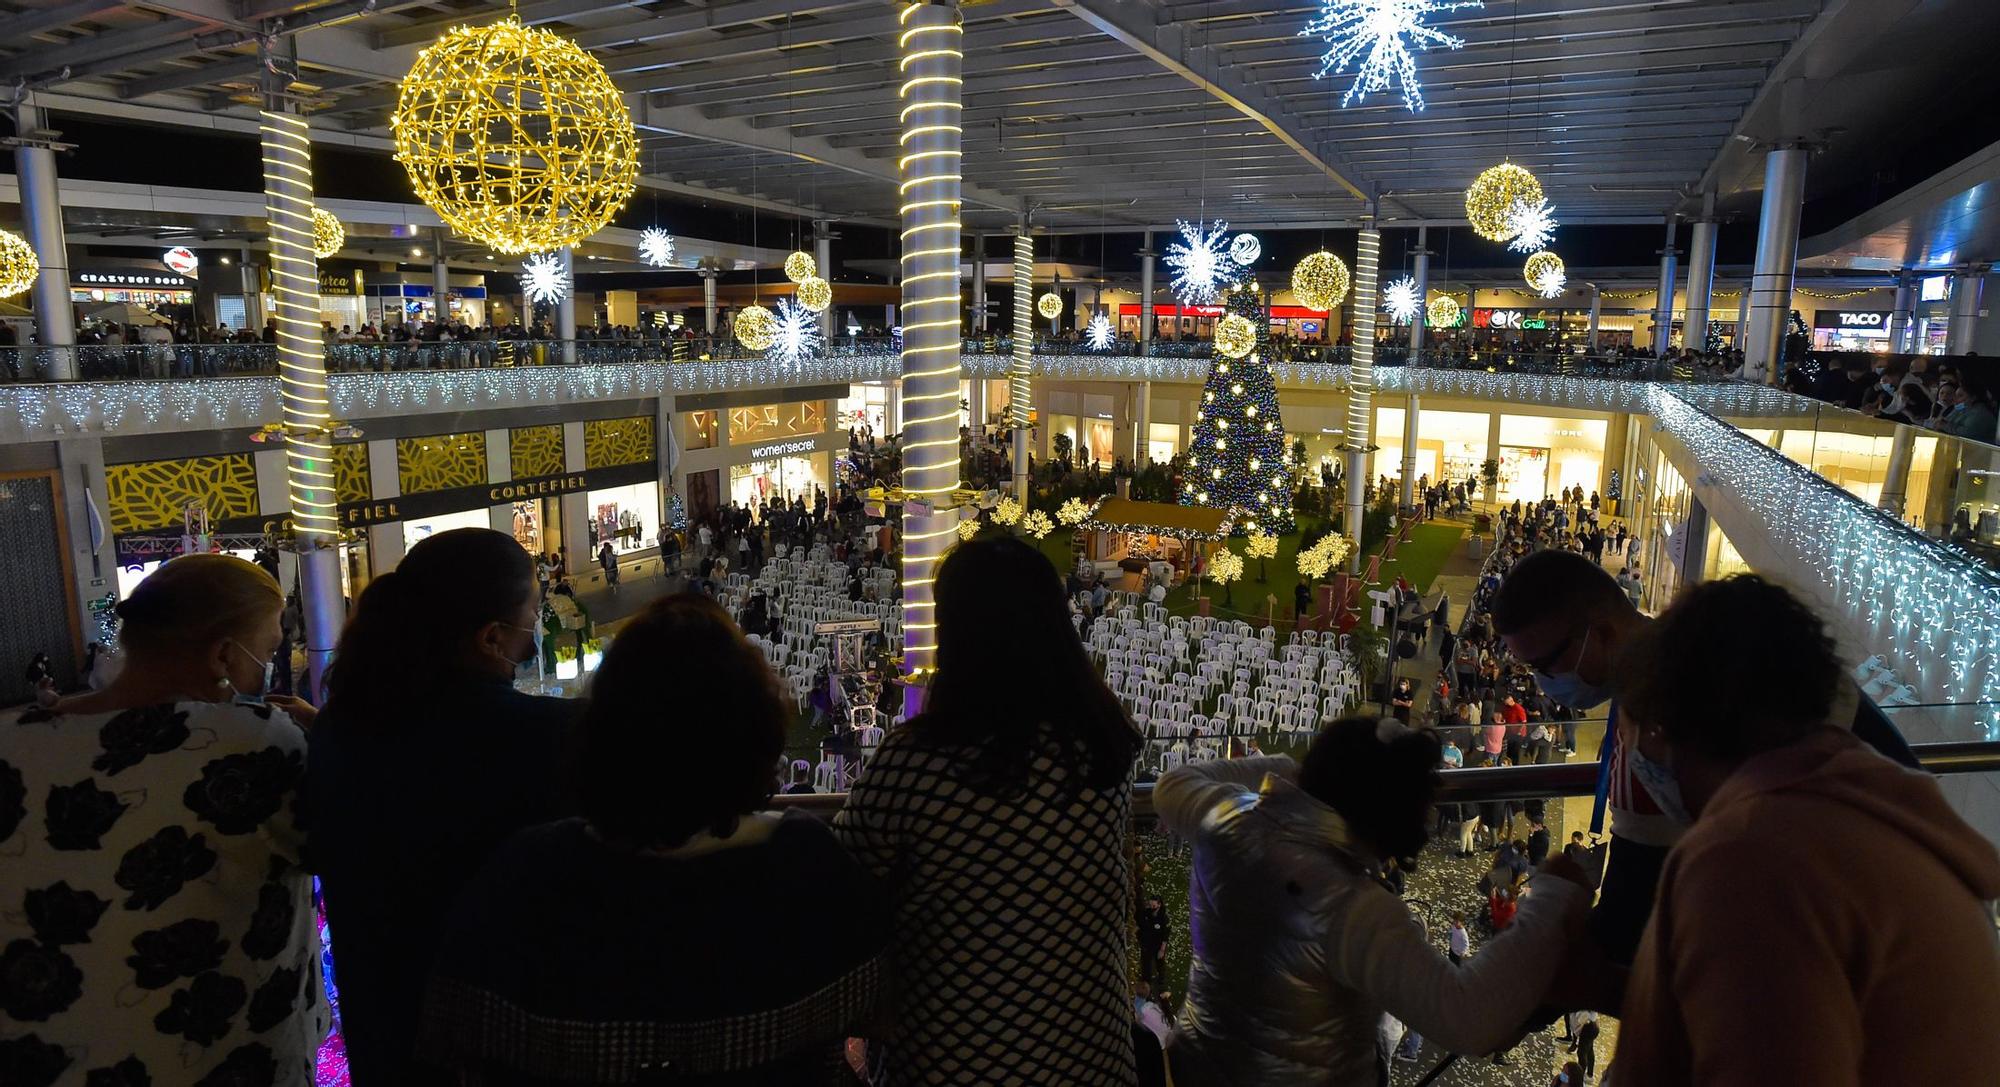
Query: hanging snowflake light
x,y
1201,263
1375,32
543,279
1546,274
796,335
1245,249
1097,335
656,247
1533,223
1401,300
1552,284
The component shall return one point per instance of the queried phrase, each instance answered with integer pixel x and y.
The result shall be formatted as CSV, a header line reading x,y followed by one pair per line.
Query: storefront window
x,y
418,529
628,516
1451,445
702,429
1548,455
528,525
1163,441
864,406
769,421
776,480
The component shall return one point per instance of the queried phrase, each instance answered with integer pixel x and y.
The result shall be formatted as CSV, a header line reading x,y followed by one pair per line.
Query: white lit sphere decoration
x,y
1235,336
515,136
1049,305
1442,311
1492,197
1320,281
328,235
800,265
18,264
656,247
814,294
1244,249
756,327
543,279
1543,269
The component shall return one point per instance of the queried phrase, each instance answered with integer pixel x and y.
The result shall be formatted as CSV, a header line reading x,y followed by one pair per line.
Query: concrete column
x,y
1742,314
385,484
1905,308
823,249
621,308
979,283
1596,310
1142,419
41,221
574,507
93,567
1410,452
1777,257
1020,388
888,317
1146,257
1421,272
1700,279
499,469
1361,385
566,309
1663,309
708,299
1967,287
1896,476
440,278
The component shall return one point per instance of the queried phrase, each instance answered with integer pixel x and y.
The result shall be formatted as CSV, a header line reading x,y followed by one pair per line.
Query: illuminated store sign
x,y
181,259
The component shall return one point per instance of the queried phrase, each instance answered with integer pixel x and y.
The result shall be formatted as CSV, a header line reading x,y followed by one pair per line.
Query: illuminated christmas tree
x,y
1240,456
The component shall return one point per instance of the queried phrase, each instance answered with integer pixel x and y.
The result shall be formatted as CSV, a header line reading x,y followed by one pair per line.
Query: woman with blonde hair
x,y
155,922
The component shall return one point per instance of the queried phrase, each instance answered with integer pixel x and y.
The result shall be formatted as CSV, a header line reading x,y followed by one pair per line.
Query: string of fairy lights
x,y
307,420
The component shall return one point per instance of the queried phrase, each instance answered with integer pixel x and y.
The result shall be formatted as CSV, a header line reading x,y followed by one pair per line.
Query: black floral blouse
x,y
155,923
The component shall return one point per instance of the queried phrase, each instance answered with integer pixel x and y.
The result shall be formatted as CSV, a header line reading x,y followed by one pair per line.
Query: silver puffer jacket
x,y
1298,950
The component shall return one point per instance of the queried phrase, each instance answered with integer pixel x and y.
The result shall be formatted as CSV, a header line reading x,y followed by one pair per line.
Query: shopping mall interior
x,y
1284,332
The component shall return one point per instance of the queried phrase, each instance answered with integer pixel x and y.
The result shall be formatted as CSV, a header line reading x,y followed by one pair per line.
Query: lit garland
x,y
1442,311
1073,512
1402,299
656,247
1020,386
800,265
814,293
756,327
308,422
1381,34
1037,524
1493,195
1225,526
1049,305
1239,457
328,236
1201,263
543,279
796,336
1533,223
1245,249
1098,335
18,264
1545,273
1235,336
1320,281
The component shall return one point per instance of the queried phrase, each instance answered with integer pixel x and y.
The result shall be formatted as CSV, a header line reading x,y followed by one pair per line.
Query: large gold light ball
x,y
1320,281
328,236
1049,305
1442,311
815,293
800,265
18,264
1235,336
1540,266
756,328
1493,193
516,137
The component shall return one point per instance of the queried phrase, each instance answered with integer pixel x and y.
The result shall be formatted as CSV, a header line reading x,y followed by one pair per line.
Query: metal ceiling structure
x,y
1091,113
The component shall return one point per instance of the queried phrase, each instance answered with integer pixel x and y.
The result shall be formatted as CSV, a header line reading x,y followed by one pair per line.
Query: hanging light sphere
x,y
800,265
1235,336
815,294
328,236
1489,203
1541,267
1049,305
1442,311
516,137
756,327
1320,281
18,264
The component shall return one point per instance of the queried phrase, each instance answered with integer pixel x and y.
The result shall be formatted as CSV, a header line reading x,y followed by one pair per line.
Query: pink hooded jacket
x,y
1825,921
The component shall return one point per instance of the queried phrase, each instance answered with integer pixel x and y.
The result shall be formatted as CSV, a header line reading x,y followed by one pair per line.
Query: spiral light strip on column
x,y
1361,383
929,167
301,366
1020,388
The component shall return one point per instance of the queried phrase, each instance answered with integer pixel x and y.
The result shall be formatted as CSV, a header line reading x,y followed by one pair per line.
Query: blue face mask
x,y
254,698
1661,784
1570,689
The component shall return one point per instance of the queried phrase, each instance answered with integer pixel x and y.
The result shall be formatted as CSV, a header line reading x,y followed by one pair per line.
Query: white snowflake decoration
x,y
543,279
1401,300
656,247
1201,263
1551,284
1097,335
1246,249
1374,32
1534,226
797,334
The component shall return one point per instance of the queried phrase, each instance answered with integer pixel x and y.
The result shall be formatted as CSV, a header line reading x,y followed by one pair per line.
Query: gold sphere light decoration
x,y
1320,281
1540,267
815,294
800,266
18,264
1049,305
328,235
1493,195
1442,311
1235,336
756,327
516,137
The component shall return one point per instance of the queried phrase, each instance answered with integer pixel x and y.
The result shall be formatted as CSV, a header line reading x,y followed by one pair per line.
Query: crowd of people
x,y
1940,394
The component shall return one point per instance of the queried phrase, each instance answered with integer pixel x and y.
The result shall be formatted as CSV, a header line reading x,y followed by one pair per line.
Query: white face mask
x,y
1660,783
256,697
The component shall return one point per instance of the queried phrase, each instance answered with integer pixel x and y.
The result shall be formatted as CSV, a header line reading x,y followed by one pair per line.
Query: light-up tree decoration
x,y
1224,568
1239,458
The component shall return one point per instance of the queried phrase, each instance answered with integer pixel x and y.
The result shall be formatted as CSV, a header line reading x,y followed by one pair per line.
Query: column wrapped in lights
x,y
930,173
1020,387
307,416
1361,386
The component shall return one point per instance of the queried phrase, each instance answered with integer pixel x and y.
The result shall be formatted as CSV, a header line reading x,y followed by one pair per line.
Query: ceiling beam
x,y
180,79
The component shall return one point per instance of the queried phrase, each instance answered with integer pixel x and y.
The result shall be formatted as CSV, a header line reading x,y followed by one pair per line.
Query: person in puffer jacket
x,y
1298,950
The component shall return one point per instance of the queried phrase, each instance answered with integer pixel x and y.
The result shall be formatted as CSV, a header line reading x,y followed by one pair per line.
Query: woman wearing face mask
x,y
424,761
156,921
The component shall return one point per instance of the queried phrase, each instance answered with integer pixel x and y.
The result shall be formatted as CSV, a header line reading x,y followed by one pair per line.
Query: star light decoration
x,y
796,335
656,247
18,264
1201,263
543,279
1402,299
1381,34
1533,223
1098,335
1546,274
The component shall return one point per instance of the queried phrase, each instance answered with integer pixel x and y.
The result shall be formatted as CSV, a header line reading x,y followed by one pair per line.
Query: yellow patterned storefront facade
x,y
608,443
535,451
147,496
351,481
441,462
